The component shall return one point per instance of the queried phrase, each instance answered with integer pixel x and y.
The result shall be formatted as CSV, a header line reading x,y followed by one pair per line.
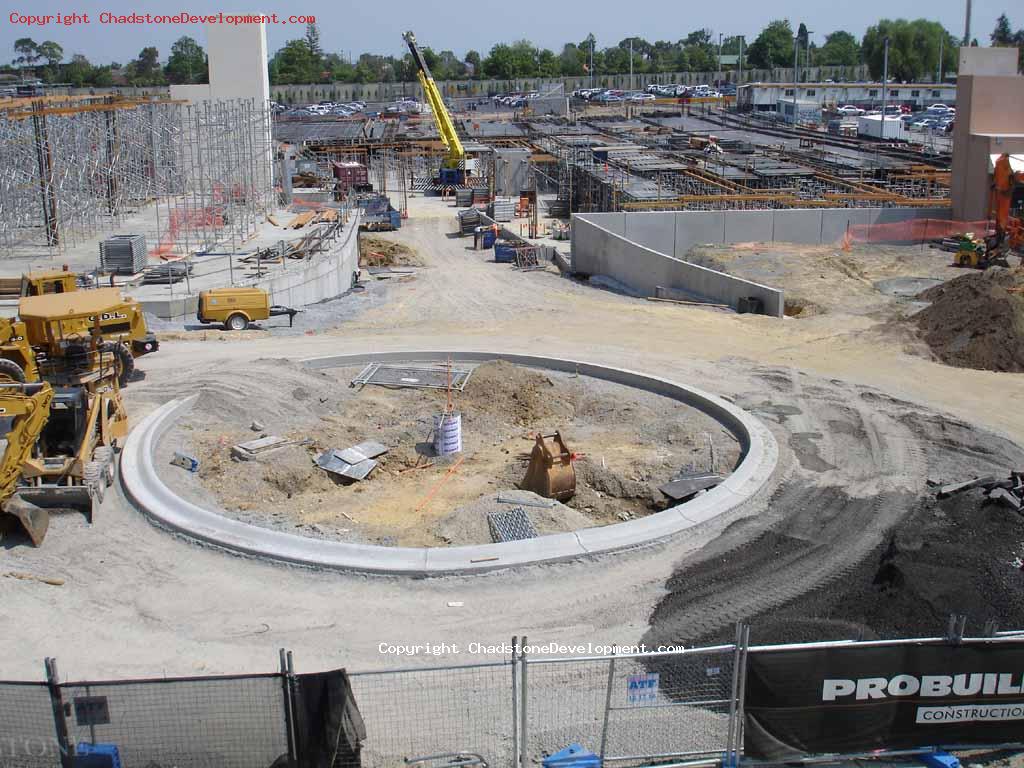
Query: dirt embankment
x,y
977,320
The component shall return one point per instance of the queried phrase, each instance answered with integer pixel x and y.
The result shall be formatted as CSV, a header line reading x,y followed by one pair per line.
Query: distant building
x,y
761,97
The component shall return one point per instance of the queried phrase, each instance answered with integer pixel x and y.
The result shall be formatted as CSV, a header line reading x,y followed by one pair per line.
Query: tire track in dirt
x,y
826,521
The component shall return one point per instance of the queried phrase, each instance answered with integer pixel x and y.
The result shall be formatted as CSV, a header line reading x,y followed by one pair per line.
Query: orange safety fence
x,y
913,231
204,218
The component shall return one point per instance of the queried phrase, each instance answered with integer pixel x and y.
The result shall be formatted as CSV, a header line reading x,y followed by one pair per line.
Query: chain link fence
x,y
235,722
416,713
631,708
27,735
512,712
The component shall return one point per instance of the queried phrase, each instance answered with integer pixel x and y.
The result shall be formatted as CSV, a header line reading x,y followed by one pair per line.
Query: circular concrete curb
x,y
149,494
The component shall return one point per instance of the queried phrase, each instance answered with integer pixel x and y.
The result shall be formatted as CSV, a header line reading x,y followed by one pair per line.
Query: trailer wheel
x,y
124,361
12,370
237,322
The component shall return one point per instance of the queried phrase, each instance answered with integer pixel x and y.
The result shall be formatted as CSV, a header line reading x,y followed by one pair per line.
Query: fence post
x,y
289,713
524,753
734,696
607,704
515,703
741,698
59,723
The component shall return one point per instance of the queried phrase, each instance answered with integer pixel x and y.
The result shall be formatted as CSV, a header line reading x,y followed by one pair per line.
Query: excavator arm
x,y
1005,181
27,406
445,124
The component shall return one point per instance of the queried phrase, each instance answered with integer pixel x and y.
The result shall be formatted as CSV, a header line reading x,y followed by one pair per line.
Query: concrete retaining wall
x,y
597,251
643,250
324,276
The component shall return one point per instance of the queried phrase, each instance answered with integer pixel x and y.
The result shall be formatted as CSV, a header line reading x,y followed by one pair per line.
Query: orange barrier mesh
x,y
913,231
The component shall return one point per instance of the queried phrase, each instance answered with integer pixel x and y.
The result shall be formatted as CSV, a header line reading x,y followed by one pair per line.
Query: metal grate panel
x,y
511,525
417,376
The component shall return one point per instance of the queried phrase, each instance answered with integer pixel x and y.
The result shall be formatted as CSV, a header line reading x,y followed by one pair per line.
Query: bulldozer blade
x,y
61,497
34,520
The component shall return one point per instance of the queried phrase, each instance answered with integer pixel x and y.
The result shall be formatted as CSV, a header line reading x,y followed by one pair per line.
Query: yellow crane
x,y
453,170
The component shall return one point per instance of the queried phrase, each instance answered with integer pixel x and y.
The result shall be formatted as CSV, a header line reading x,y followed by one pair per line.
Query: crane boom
x,y
445,124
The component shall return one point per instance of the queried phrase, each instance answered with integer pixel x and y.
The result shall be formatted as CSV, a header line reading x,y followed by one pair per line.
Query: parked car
x,y
850,109
641,97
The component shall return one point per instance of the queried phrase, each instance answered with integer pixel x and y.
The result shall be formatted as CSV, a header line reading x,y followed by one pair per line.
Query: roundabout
x,y
152,496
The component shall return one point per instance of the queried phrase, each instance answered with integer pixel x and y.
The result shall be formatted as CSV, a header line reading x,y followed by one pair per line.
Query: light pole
x,y
885,84
796,52
631,86
719,52
942,40
739,65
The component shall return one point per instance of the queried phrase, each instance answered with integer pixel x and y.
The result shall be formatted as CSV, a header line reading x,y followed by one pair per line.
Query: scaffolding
x,y
73,171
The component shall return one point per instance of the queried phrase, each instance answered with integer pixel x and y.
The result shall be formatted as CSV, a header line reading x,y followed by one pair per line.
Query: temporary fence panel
x,y
669,706
565,704
631,708
28,738
235,722
414,713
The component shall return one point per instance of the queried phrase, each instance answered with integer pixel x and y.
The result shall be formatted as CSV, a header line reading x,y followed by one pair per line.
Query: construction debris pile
x,y
977,321
1008,491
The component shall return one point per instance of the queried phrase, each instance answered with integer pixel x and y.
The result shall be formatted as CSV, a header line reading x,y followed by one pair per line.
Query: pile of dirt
x,y
957,555
527,397
976,321
377,252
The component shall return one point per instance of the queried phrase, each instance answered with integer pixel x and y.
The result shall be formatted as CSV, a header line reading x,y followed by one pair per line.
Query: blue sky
x,y
377,26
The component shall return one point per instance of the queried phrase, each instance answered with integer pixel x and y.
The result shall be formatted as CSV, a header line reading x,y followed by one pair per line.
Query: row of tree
x,y
187,63
915,48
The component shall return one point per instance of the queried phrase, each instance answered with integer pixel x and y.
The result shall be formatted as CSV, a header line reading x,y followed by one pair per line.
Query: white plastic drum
x,y
448,434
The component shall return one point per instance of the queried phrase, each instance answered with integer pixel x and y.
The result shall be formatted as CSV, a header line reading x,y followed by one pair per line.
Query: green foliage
x,y
841,49
295,63
145,70
187,62
913,48
773,47
1004,36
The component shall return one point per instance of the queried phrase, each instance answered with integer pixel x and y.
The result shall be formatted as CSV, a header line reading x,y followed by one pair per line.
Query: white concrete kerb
x,y
150,495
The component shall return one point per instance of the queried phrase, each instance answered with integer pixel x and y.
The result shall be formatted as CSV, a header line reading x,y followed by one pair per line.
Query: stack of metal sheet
x,y
503,210
480,195
123,254
463,198
469,220
353,463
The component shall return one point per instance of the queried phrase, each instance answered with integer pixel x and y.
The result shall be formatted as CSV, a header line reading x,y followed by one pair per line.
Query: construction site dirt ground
x,y
862,425
629,442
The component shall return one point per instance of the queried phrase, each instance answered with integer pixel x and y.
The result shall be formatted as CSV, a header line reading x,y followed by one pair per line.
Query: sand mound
x,y
378,252
975,321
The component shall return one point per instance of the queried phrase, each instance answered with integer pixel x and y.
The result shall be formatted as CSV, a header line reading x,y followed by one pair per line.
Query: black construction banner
x,y
860,698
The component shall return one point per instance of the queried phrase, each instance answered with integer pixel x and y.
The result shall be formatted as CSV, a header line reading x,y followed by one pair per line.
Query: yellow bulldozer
x,y
121,324
61,431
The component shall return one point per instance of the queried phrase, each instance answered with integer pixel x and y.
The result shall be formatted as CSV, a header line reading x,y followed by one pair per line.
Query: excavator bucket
x,y
34,520
550,473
